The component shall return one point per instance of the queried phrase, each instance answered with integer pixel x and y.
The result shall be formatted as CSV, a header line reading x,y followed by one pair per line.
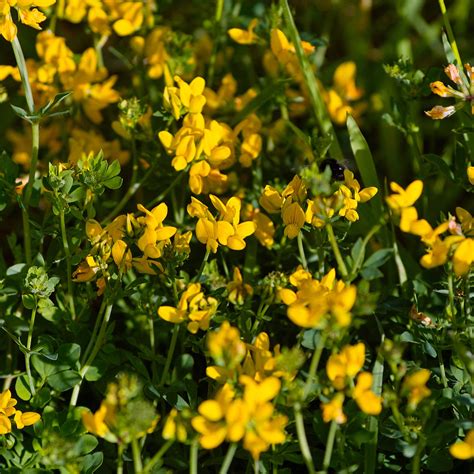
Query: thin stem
x,y
20,61
169,357
228,458
441,368
157,457
97,324
329,446
301,251
193,457
166,191
28,355
304,447
132,189
452,309
137,456
256,466
315,96
67,251
203,264
449,32
314,363
337,253
217,33
120,449
151,329
93,354
416,465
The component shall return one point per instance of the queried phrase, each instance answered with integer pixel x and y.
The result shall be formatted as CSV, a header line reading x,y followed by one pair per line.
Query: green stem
x,y
228,458
337,253
166,191
304,447
68,265
120,449
315,96
329,446
157,457
193,457
215,48
416,465
137,457
449,32
28,355
97,324
151,328
169,357
301,251
20,61
203,264
93,354
314,363
441,368
132,189
452,309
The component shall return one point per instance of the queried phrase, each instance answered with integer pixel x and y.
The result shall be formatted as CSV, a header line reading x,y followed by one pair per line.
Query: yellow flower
x,y
343,92
415,385
225,346
367,400
244,36
293,217
470,174
193,307
346,364
463,257
463,449
264,227
26,419
404,198
174,427
332,411
27,15
316,299
155,234
271,200
96,423
237,290
463,94
7,409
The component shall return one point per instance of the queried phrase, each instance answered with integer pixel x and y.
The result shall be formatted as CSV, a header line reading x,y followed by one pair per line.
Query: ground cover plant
x,y
236,236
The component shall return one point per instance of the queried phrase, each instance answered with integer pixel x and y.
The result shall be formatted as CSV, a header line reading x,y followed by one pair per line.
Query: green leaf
x,y
365,163
92,462
29,301
64,380
85,445
378,258
113,183
22,387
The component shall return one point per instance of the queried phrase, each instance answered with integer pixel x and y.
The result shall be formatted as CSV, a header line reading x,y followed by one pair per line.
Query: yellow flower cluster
x,y
341,368
27,15
250,417
237,290
457,247
193,307
463,93
319,209
110,243
206,146
226,229
315,303
123,415
57,71
7,410
233,357
105,16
